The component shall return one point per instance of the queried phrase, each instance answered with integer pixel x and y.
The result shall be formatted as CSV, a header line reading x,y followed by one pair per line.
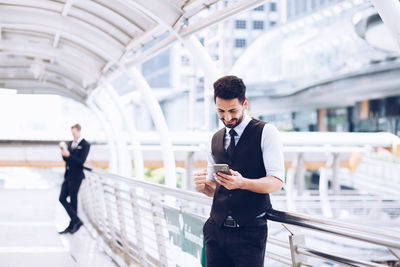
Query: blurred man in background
x,y
74,154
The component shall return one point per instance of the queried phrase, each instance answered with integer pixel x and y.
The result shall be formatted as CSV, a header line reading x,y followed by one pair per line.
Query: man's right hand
x,y
203,185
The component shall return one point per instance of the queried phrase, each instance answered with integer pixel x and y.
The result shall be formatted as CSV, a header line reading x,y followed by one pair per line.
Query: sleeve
x,y
271,146
210,163
66,159
82,158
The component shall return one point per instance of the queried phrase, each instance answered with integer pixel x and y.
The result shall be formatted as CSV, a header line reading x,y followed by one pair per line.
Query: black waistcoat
x,y
247,159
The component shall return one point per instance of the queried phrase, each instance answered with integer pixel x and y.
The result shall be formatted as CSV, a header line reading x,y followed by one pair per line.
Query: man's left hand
x,y
233,181
65,153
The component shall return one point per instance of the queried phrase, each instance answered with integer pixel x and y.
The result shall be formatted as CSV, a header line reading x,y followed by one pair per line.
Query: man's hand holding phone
x,y
64,149
228,178
203,185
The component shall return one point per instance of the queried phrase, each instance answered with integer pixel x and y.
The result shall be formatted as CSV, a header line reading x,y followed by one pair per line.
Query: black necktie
x,y
231,146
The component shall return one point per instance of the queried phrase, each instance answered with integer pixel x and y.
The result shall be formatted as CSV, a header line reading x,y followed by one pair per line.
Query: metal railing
x,y
153,225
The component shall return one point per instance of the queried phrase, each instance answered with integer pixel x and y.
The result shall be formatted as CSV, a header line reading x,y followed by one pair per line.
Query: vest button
x,y
230,195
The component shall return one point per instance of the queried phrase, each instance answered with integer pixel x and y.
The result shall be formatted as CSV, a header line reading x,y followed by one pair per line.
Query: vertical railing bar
x,y
158,228
138,227
121,219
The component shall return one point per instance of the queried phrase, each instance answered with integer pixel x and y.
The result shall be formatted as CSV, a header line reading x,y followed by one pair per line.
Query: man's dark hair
x,y
76,126
230,87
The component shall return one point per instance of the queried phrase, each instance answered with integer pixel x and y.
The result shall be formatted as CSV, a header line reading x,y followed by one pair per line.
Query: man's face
x,y
75,133
230,111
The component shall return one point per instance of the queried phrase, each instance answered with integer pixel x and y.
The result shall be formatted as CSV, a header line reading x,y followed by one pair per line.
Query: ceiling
x,y
67,47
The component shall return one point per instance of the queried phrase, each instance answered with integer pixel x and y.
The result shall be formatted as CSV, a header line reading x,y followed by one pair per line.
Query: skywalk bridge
x,y
77,49
133,222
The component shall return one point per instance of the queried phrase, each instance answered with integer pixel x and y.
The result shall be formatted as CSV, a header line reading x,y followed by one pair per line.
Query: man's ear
x,y
246,103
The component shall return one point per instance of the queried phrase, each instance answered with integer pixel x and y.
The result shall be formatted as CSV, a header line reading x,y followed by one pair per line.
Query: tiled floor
x,y
29,222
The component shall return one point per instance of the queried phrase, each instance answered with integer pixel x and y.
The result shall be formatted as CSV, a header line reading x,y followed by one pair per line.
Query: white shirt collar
x,y
241,126
78,141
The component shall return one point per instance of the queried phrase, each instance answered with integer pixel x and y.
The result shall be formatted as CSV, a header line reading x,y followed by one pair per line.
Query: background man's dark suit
x,y
72,180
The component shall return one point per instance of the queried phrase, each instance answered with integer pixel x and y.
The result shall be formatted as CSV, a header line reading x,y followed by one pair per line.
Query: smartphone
x,y
224,168
63,145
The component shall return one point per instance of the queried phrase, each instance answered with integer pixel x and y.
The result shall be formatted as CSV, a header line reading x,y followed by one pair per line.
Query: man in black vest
x,y
74,155
236,232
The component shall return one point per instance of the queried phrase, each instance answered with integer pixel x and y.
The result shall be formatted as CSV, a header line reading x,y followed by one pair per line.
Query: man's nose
x,y
227,117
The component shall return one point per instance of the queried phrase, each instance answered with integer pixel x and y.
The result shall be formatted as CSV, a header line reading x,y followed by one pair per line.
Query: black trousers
x,y
234,247
70,188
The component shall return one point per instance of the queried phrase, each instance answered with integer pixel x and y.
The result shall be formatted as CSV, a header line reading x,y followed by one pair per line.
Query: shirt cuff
x,y
278,174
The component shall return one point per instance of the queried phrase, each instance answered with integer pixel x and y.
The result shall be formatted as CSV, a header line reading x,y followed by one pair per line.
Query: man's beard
x,y
233,125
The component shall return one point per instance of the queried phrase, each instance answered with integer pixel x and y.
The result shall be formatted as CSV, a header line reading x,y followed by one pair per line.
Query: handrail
x,y
390,240
341,260
364,233
162,189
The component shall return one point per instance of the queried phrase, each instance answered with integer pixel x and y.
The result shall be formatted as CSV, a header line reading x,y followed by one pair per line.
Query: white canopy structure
x,y
67,47
73,48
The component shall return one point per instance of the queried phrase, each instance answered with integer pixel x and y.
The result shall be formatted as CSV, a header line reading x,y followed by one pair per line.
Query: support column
x,y
113,158
211,74
322,120
124,161
133,136
187,179
335,173
299,175
159,121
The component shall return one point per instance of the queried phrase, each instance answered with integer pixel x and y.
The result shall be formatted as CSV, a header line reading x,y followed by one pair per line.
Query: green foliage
x,y
158,176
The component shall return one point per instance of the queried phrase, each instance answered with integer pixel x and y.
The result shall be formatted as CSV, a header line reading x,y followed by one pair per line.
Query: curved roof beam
x,y
117,15
36,87
93,38
70,57
77,31
106,55
160,11
104,19
47,75
15,65
218,16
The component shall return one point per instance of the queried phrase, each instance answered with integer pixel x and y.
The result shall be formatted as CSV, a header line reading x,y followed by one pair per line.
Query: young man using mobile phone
x,y
236,232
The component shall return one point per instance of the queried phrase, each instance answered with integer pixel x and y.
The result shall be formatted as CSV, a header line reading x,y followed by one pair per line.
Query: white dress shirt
x,y
271,147
75,143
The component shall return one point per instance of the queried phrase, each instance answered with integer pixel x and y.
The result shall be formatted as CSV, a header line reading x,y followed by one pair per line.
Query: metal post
x,y
88,203
113,241
138,227
158,227
122,224
189,166
295,241
289,186
335,172
300,174
98,203
323,193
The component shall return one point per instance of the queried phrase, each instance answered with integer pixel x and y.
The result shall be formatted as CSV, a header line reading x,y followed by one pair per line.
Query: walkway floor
x,y
29,223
